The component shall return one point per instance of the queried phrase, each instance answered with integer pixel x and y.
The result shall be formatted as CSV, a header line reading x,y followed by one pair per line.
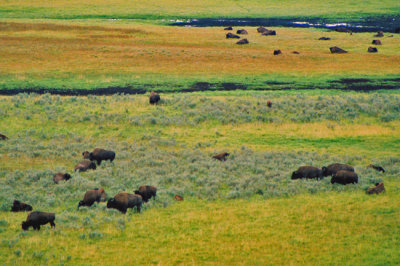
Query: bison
x,y
228,28
269,104
3,137
242,31
178,198
36,219
221,156
269,33
20,206
230,35
379,188
276,52
242,41
147,192
295,52
91,196
379,34
337,50
84,166
261,29
99,155
372,49
307,172
122,201
345,177
154,98
334,168
60,176
324,39
376,42
377,168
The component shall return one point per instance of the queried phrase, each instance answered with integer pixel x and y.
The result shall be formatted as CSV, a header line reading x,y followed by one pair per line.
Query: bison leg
x,y
37,227
52,224
98,162
138,208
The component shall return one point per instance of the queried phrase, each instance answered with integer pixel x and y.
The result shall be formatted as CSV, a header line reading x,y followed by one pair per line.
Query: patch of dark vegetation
x,y
351,80
364,24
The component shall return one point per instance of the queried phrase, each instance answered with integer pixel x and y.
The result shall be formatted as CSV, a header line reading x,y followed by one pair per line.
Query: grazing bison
x,y
307,172
345,177
372,50
221,156
337,50
228,28
243,41
377,42
295,52
276,52
91,196
178,198
36,219
269,104
334,168
3,137
20,206
324,39
84,166
261,29
99,155
269,33
377,168
147,192
379,34
232,36
154,98
244,32
122,201
379,188
60,176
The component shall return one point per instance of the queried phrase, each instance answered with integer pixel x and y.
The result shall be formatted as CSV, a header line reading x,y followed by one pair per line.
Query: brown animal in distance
x,y
3,137
84,166
379,188
154,98
178,198
221,156
60,176
269,104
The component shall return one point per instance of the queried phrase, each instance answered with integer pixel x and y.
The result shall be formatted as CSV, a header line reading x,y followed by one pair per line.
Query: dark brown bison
x,y
154,98
60,176
122,201
377,168
295,52
147,192
334,168
84,166
344,177
324,39
372,50
276,52
91,196
230,35
379,34
221,156
377,42
3,137
178,198
337,50
379,188
99,155
269,33
36,219
269,104
307,172
261,29
20,206
228,28
243,41
242,31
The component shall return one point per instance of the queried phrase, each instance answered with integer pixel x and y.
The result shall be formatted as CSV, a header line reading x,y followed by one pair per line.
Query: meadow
x,y
248,206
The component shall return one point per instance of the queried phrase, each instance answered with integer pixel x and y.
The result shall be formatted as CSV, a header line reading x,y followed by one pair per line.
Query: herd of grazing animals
x,y
341,174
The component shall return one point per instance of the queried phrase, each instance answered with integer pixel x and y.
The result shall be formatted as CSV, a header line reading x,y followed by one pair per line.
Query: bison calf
x,y
154,98
221,156
20,206
147,192
379,188
84,166
122,201
345,177
99,155
91,196
334,168
36,219
307,172
60,176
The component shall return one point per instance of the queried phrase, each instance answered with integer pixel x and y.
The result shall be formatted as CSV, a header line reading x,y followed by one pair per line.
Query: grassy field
x,y
155,9
248,206
66,56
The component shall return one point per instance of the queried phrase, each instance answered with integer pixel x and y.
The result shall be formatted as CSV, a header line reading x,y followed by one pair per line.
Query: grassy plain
x,y
247,206
68,56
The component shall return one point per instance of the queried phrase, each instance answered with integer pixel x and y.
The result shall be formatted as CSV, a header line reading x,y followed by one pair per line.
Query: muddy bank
x,y
345,84
361,24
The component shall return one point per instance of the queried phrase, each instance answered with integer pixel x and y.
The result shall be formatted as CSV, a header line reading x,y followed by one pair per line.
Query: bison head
x,y
324,171
85,155
24,226
111,203
67,176
81,203
295,175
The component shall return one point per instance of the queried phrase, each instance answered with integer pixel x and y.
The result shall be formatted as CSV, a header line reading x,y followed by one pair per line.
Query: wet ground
x,y
361,24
